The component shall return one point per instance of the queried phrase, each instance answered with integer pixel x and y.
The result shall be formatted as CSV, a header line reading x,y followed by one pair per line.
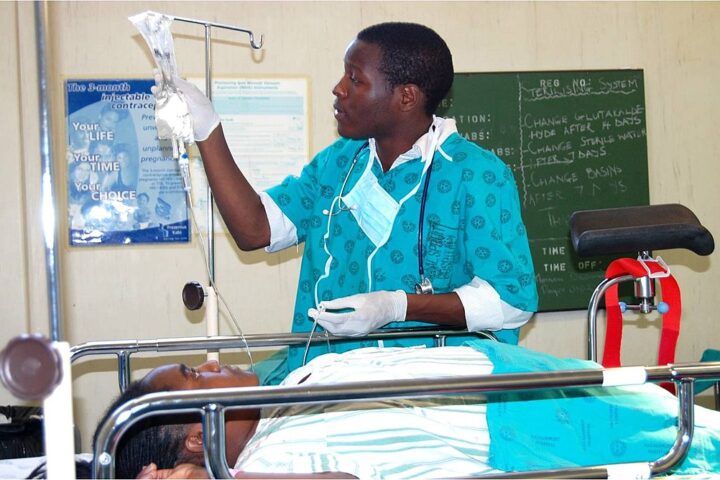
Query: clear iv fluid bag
x,y
155,29
172,116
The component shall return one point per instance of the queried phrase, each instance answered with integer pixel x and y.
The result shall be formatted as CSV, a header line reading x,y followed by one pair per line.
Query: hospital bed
x,y
212,404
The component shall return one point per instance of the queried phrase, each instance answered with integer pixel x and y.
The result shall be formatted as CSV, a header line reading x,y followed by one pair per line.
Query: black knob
x,y
193,295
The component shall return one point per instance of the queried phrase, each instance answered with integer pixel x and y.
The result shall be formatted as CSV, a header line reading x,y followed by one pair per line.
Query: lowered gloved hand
x,y
370,312
182,107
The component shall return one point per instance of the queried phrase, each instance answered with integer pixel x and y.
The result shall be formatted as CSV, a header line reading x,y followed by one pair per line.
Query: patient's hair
x,y
157,439
413,53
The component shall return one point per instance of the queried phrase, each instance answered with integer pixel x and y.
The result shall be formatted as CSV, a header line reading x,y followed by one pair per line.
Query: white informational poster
x,y
265,121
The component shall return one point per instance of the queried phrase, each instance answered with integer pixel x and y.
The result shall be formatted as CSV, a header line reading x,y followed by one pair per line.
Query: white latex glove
x,y
170,118
370,312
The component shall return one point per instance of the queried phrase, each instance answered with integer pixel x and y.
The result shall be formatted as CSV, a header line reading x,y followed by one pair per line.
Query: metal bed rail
x,y
124,348
212,404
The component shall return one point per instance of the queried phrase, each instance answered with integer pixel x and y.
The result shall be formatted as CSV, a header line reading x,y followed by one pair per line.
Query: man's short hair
x,y
413,53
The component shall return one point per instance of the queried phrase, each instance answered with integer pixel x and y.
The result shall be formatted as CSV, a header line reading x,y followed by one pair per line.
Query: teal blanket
x,y
588,426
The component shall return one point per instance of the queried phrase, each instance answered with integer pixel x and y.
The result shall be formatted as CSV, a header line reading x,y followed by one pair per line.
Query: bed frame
x,y
123,349
212,404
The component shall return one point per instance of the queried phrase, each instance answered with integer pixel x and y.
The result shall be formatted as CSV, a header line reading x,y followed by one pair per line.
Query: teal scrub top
x,y
472,227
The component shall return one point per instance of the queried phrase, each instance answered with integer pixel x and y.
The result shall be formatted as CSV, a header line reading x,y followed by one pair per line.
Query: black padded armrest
x,y
638,229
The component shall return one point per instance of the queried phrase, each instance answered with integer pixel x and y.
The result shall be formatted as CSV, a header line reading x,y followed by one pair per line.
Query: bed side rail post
x,y
593,308
123,358
214,441
686,428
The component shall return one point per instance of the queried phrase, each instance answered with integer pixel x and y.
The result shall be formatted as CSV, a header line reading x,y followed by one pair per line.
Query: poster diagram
x,y
266,125
123,187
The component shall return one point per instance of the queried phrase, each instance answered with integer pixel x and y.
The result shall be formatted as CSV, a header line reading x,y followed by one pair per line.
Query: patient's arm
x,y
294,475
184,470
189,470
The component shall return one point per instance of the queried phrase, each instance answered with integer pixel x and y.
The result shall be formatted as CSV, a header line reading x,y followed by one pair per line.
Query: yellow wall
x,y
134,292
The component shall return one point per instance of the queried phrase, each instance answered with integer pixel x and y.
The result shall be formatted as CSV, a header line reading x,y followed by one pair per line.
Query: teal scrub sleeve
x,y
497,247
296,197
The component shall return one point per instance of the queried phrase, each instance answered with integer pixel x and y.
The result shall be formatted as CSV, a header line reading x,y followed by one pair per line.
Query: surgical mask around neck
x,y
373,208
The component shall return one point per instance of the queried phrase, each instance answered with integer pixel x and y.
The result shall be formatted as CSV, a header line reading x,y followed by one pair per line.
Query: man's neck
x,y
391,147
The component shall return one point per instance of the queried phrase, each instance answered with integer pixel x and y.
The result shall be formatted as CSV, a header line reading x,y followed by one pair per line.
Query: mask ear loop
x,y
330,214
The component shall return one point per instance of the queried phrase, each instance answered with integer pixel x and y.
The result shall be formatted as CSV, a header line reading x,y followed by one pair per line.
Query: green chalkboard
x,y
575,140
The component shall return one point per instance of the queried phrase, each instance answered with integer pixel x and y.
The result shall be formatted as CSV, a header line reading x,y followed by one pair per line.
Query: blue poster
x,y
124,187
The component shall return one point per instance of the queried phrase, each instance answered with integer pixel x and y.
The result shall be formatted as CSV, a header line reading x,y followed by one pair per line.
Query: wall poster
x,y
123,186
266,124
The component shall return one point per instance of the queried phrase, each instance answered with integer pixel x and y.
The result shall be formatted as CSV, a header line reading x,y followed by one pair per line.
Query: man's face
x,y
364,101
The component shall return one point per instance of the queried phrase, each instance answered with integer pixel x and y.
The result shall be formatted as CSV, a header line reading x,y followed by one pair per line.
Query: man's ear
x,y
194,439
411,97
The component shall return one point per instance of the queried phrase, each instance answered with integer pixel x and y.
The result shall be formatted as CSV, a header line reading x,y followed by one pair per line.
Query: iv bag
x,y
172,116
155,29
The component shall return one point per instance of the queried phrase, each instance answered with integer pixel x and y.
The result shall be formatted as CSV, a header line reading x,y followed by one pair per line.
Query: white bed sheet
x,y
22,467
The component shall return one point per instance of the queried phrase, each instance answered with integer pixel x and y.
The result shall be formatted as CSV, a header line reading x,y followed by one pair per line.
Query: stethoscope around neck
x,y
424,286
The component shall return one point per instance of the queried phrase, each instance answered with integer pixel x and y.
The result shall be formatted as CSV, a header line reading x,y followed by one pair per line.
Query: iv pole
x,y
211,310
57,405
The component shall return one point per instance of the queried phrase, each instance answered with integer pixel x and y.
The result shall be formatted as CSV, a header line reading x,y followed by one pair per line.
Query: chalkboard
x,y
575,140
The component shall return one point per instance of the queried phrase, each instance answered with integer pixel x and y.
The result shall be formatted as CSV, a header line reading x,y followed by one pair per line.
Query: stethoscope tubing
x,y
421,222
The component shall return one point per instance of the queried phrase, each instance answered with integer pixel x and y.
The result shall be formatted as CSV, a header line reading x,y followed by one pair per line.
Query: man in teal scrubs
x,y
397,174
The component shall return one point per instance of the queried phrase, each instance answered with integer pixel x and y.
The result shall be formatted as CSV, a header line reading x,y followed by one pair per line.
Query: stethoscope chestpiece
x,y
424,287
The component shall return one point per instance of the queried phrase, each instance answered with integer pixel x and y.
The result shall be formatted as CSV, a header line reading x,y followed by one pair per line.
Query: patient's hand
x,y
188,470
184,470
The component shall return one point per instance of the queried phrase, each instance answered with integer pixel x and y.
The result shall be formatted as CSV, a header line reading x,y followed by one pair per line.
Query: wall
x,y
134,292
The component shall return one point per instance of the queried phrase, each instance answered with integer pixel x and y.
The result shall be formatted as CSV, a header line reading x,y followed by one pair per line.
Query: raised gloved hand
x,y
370,312
169,115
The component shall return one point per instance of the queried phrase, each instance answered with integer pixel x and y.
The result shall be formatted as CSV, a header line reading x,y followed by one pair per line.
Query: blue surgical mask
x,y
373,208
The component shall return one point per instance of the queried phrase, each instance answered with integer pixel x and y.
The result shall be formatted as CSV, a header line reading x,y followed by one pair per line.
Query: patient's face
x,y
239,424
208,375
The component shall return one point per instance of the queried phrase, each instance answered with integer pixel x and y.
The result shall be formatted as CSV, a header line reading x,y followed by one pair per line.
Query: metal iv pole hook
x,y
253,44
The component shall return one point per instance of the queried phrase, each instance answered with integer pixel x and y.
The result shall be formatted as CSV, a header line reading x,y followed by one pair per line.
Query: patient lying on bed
x,y
417,438
396,438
